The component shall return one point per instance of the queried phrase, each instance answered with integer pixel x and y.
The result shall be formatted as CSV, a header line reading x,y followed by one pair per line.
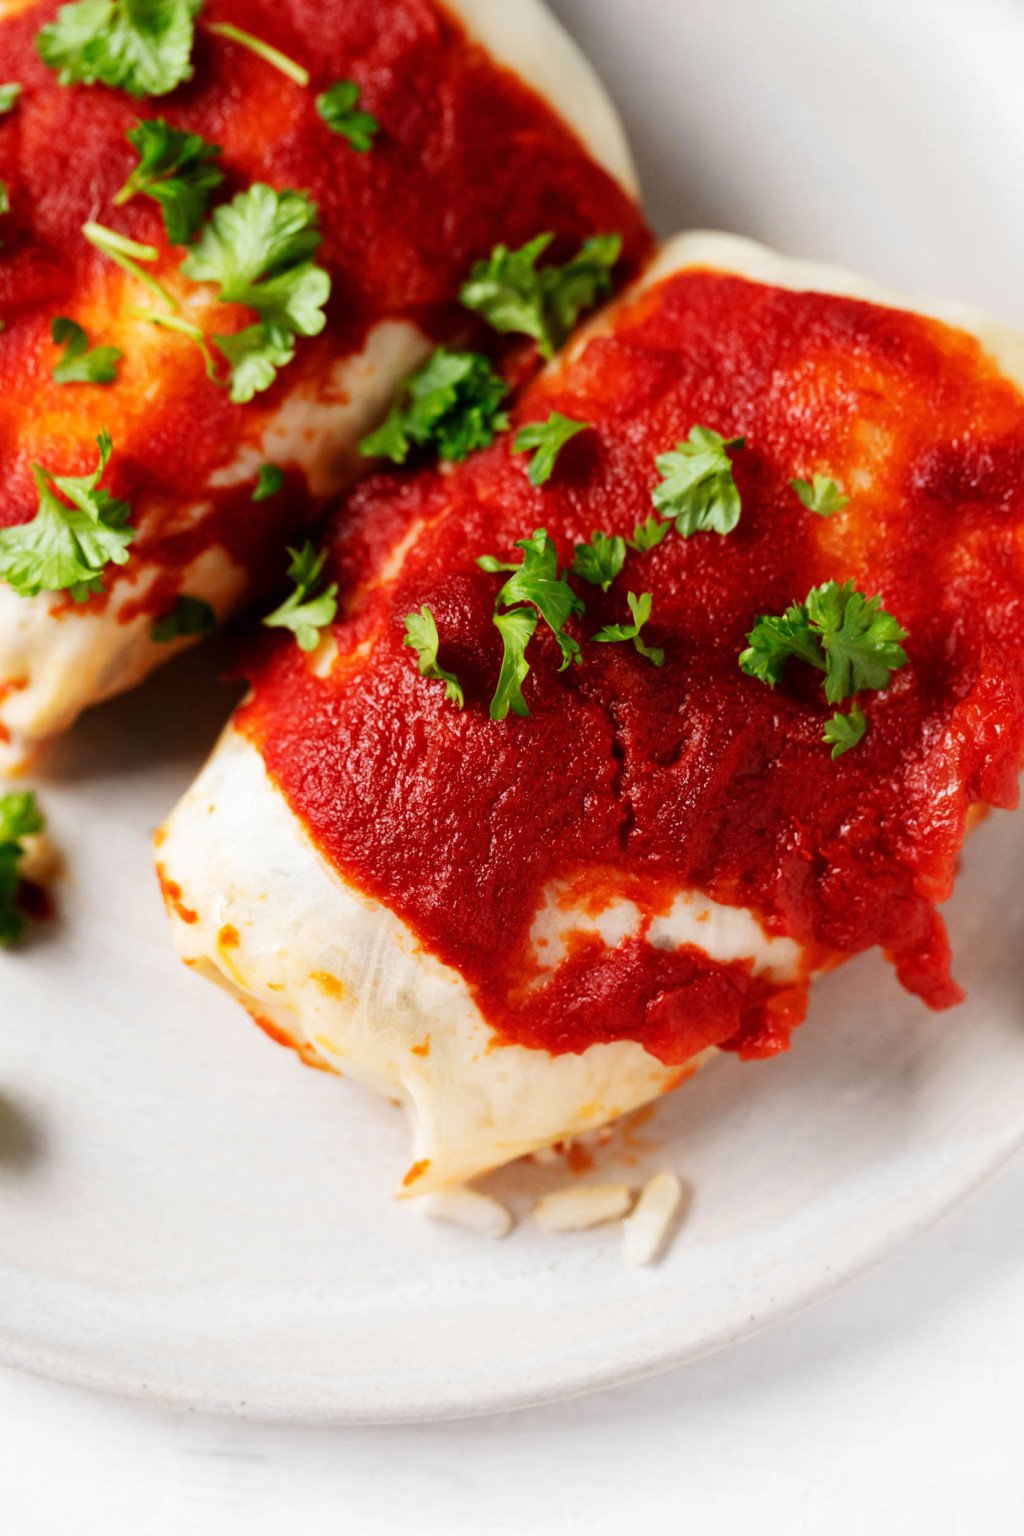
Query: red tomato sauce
x,y
467,156
692,775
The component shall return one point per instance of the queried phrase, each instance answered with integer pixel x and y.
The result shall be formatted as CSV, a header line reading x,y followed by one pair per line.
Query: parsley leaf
x,y
141,46
821,495
20,817
421,634
268,482
67,548
697,486
189,616
844,731
648,534
600,561
452,402
860,639
536,580
513,294
178,170
308,610
265,51
81,364
640,608
338,108
9,94
516,629
259,250
547,438
849,637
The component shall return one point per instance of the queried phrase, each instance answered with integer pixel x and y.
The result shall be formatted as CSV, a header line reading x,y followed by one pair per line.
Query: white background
x,y
896,1406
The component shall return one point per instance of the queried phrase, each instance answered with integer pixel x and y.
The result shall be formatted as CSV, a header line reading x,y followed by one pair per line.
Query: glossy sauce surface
x,y
636,782
466,156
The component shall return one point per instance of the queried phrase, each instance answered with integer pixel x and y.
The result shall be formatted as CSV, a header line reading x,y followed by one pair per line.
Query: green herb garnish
x,y
421,634
697,488
821,495
81,364
312,606
265,51
128,254
339,108
640,608
452,403
648,534
600,561
536,579
547,439
67,547
268,482
180,171
143,47
516,629
513,294
189,616
844,731
20,817
259,250
9,94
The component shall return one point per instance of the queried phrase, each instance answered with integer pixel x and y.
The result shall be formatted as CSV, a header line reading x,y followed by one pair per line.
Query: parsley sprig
x,y
20,817
312,606
421,634
189,616
70,542
452,403
143,47
338,106
258,249
849,637
80,363
179,171
535,583
640,608
601,560
9,93
547,439
513,294
697,488
263,50
821,494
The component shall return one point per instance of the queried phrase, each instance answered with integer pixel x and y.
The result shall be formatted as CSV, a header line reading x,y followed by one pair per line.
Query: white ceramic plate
x,y
187,1214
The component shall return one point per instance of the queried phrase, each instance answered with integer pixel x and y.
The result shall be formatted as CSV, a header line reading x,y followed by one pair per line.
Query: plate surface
x,y
187,1214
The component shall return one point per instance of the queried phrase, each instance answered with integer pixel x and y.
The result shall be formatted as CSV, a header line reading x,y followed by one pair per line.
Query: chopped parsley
x,y
259,250
9,94
421,634
312,606
180,171
640,608
821,495
339,108
81,364
183,328
648,534
452,403
547,439
512,293
839,631
20,817
516,629
844,731
127,254
697,488
265,51
268,482
536,579
600,561
189,616
143,47
67,547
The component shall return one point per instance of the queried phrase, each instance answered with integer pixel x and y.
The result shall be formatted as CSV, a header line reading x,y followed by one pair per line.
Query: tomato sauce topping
x,y
467,156
690,776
